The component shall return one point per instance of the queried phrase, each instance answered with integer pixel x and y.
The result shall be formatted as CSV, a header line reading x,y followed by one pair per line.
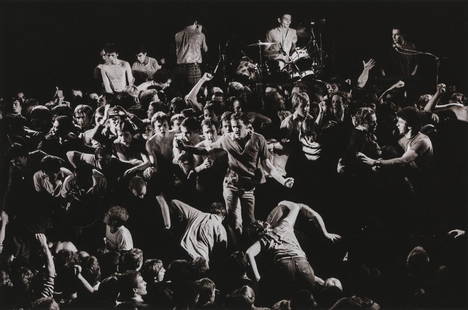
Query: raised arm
x,y
251,252
4,219
49,259
191,97
430,105
84,283
364,76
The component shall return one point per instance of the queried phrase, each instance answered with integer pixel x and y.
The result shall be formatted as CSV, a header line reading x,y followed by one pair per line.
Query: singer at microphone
x,y
401,66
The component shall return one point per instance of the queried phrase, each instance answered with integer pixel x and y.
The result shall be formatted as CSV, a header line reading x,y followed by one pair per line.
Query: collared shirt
x,y
244,160
189,44
285,37
42,182
144,71
203,231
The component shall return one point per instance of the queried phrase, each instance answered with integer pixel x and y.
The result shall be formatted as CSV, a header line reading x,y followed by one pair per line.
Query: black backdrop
x,y
44,44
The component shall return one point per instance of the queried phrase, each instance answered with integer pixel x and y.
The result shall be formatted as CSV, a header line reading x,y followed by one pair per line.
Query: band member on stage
x,y
402,63
190,42
284,37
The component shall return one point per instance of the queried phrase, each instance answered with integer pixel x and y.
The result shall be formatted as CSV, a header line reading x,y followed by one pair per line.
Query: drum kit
x,y
302,62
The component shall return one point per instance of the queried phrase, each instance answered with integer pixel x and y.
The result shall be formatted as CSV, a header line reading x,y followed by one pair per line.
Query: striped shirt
x,y
311,150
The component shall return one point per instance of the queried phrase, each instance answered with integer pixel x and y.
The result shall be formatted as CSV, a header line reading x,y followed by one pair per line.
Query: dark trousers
x,y
296,273
187,75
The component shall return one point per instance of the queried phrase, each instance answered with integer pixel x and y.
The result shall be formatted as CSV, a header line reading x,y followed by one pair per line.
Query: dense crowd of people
x,y
172,188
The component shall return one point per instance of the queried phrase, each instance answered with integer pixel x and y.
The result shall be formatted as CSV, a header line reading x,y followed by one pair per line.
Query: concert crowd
x,y
263,186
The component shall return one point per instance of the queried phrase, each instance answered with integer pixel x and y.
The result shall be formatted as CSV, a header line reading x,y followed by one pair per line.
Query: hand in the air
x,y
289,182
368,65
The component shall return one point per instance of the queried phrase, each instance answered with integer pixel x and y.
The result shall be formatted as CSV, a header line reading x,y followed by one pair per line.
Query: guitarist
x,y
285,39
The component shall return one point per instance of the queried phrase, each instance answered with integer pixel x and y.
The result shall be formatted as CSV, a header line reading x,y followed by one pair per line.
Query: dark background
x,y
48,44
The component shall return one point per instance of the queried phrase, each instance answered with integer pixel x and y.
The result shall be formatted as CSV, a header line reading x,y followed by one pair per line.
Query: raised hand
x,y
3,217
368,65
207,76
289,182
106,114
42,240
441,88
456,233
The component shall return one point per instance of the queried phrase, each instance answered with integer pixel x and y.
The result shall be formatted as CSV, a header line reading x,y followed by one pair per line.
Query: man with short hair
x,y
116,74
284,39
160,145
418,152
190,42
145,67
247,154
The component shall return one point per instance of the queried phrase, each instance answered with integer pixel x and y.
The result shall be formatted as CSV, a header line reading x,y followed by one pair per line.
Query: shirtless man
x,y
116,74
160,145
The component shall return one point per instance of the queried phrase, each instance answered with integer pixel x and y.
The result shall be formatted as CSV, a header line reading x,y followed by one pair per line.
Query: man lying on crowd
x,y
276,236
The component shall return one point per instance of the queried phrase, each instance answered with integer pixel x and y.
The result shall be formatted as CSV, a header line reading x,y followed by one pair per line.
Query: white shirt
x,y
121,240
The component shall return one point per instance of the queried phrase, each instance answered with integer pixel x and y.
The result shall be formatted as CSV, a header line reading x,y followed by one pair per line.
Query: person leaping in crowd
x,y
276,236
203,233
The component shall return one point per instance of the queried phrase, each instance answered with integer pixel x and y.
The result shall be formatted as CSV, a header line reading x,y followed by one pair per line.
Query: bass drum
x,y
248,70
298,54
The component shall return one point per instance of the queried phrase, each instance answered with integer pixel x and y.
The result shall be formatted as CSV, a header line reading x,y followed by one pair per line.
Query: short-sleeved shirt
x,y
121,240
202,233
422,145
189,44
281,241
286,37
42,182
244,161
143,72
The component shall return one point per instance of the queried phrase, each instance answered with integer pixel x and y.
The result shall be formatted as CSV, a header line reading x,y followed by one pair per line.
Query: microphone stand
x,y
410,52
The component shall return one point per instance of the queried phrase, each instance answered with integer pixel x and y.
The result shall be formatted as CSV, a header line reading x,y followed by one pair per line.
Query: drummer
x,y
285,39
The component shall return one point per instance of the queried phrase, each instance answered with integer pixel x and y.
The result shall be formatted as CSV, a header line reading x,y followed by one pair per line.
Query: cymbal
x,y
259,43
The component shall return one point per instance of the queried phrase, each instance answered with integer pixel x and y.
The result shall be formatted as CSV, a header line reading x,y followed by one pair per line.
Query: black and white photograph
x,y
233,154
